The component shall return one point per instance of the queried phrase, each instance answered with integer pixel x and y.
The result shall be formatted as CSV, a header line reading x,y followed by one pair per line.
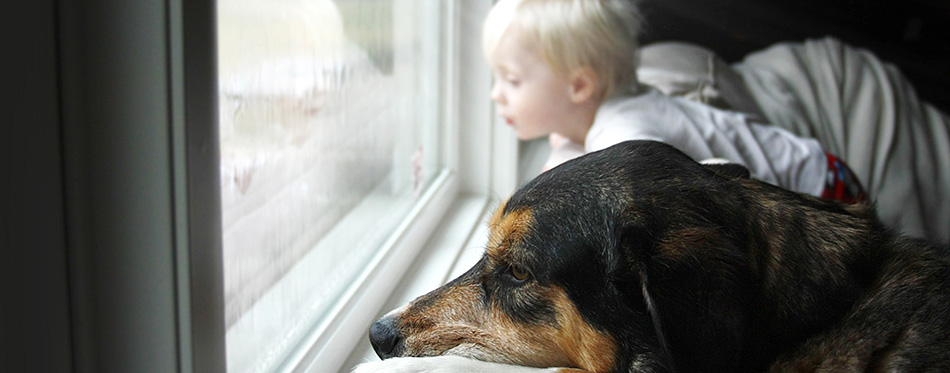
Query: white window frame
x,y
481,156
437,243
484,170
138,116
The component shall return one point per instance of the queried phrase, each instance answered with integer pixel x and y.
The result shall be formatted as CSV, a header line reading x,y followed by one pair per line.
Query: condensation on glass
x,y
328,135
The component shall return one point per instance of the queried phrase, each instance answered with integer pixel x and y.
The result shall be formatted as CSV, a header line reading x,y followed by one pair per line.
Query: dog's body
x,y
637,258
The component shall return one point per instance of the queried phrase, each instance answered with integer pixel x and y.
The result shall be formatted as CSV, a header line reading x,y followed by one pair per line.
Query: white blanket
x,y
858,107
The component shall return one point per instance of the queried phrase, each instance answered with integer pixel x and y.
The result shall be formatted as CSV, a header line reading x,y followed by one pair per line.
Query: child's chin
x,y
528,136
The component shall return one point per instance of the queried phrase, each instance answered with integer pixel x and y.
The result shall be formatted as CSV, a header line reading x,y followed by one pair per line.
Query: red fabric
x,y
841,184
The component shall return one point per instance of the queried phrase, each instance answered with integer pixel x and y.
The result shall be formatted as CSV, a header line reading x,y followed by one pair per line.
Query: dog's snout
x,y
385,337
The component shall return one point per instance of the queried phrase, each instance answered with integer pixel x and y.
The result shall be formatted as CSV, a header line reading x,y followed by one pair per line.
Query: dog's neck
x,y
787,232
758,271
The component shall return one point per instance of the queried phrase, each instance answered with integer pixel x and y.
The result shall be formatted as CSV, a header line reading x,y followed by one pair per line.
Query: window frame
x,y
141,204
482,158
258,338
138,103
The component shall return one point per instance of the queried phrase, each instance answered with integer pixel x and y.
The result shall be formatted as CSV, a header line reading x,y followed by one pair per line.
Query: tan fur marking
x,y
456,324
452,319
678,244
588,348
507,230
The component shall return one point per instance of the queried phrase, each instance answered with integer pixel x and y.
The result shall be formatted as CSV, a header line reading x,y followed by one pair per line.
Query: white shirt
x,y
771,154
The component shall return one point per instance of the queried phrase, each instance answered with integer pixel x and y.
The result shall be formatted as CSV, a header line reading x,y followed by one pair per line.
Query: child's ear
x,y
583,84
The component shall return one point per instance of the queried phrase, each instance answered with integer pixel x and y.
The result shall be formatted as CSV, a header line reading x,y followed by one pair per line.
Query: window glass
x,y
329,133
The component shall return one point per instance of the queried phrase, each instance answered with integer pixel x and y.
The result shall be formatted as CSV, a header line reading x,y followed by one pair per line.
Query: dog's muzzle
x,y
385,337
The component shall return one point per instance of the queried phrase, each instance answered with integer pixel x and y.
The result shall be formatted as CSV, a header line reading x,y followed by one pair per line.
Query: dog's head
x,y
597,264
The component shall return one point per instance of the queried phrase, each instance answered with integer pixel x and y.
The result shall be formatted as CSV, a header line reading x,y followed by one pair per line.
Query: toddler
x,y
567,69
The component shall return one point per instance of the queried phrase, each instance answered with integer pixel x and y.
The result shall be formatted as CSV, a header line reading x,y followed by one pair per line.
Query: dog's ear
x,y
632,242
729,171
634,249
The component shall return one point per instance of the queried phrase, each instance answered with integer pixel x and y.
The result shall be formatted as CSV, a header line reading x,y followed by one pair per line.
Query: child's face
x,y
531,97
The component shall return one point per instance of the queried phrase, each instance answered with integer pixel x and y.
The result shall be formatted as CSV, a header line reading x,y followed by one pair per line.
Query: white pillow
x,y
696,73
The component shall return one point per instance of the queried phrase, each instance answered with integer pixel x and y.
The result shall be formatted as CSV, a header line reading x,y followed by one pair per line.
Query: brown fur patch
x,y
452,318
456,324
506,231
679,244
587,348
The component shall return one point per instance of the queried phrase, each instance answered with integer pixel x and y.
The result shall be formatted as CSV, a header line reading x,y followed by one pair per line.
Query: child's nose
x,y
496,94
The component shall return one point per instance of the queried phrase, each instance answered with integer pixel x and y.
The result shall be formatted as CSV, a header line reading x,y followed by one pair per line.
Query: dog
x,y
639,259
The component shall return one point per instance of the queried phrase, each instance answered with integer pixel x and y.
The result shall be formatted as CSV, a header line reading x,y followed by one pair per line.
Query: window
x,y
151,152
331,136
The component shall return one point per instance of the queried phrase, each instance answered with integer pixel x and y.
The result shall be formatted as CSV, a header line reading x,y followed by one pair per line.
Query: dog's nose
x,y
384,337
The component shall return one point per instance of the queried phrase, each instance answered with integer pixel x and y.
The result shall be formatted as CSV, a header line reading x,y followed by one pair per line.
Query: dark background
x,y
914,35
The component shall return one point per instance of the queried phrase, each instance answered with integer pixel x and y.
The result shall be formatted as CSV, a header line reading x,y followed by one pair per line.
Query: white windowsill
x,y
328,342
453,249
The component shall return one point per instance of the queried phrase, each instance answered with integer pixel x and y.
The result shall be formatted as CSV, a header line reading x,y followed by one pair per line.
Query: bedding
x,y
856,105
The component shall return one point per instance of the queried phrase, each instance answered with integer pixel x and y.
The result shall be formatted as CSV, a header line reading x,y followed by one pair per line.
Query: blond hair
x,y
569,34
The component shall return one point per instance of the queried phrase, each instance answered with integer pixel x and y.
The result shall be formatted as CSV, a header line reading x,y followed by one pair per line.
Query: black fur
x,y
744,274
693,267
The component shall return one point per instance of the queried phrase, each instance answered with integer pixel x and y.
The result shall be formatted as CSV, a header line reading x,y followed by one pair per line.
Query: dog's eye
x,y
518,272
